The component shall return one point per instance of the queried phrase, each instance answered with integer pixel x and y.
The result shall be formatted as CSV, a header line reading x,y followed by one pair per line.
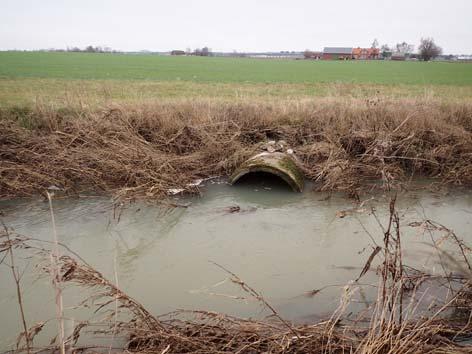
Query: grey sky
x,y
243,25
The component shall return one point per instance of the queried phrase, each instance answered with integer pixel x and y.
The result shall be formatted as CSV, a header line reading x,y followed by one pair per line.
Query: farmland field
x,y
237,70
97,78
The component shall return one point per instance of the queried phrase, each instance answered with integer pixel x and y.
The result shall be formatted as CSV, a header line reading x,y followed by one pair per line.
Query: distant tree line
x,y
92,49
87,49
203,52
427,50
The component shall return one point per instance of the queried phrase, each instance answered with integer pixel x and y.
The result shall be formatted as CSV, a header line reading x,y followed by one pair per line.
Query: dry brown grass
x,y
145,150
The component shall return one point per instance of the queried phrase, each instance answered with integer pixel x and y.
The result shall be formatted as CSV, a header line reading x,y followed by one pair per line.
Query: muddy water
x,y
282,243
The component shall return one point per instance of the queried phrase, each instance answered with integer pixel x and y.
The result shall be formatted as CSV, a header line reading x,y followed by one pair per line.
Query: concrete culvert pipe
x,y
276,163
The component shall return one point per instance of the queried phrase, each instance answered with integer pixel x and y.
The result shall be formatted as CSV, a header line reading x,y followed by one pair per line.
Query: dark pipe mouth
x,y
266,170
264,180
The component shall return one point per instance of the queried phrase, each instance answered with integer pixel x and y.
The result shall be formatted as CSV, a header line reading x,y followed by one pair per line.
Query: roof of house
x,y
337,50
369,51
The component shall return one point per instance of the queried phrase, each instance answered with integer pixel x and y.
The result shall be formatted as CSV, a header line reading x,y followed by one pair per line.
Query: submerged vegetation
x,y
145,150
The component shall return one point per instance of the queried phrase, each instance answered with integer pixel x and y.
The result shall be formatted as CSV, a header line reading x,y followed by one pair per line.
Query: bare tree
x,y
204,52
385,51
428,49
404,48
375,43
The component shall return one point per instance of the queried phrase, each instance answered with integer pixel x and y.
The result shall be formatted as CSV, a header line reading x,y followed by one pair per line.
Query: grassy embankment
x,y
110,123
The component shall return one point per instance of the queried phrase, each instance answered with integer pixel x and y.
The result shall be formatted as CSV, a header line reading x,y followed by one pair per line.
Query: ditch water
x,y
281,243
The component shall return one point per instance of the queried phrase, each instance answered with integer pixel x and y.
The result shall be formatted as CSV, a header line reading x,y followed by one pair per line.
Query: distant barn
x,y
177,52
337,53
366,53
398,56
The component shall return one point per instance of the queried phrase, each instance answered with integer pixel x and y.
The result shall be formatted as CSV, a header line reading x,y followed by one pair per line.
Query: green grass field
x,y
226,70
26,77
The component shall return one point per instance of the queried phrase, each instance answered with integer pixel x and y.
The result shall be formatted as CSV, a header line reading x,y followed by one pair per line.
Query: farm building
x,y
337,53
366,53
398,56
348,53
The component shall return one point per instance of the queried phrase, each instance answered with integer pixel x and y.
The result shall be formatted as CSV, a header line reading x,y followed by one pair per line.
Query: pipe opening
x,y
276,164
263,180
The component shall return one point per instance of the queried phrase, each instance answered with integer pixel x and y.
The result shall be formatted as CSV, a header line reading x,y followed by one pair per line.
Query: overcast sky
x,y
243,25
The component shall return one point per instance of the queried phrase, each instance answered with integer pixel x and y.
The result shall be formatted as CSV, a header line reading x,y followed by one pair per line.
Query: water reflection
x,y
280,242
139,234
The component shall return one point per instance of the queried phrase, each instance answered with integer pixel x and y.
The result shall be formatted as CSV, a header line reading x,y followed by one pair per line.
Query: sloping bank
x,y
145,150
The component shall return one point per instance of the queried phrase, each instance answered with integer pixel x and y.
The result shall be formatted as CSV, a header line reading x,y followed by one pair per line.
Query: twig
x,y
56,281
16,277
115,325
259,297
